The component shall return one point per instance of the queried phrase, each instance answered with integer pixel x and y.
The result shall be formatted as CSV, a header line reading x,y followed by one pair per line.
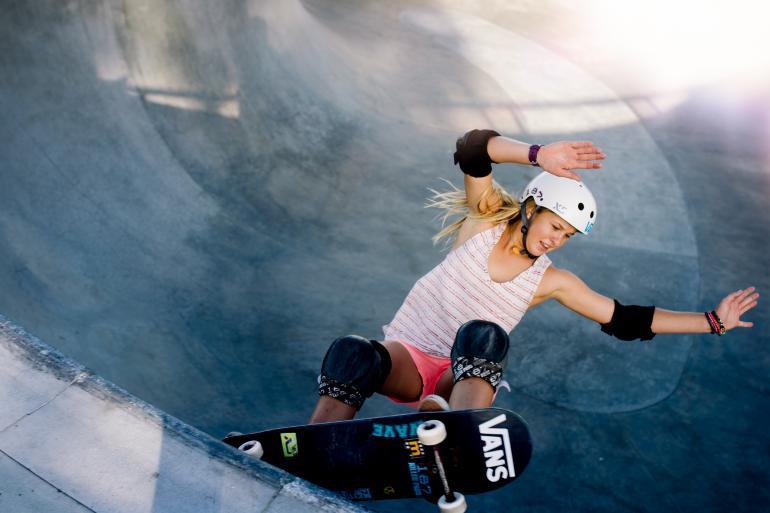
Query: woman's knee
x,y
353,369
480,350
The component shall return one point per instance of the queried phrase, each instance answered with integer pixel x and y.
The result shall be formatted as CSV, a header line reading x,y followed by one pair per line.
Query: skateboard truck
x,y
431,434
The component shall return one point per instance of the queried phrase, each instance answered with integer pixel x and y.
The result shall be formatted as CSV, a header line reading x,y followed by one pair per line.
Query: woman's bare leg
x,y
468,393
471,393
403,382
444,384
329,409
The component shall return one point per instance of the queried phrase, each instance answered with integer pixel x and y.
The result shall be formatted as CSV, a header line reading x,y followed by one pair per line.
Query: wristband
x,y
712,323
533,154
716,323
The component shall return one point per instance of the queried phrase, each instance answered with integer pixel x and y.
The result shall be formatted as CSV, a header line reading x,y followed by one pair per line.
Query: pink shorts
x,y
430,369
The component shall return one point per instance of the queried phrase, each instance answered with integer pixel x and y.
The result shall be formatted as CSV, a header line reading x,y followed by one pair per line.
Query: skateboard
x,y
438,456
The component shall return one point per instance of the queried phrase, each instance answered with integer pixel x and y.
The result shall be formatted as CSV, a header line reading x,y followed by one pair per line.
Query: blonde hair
x,y
495,206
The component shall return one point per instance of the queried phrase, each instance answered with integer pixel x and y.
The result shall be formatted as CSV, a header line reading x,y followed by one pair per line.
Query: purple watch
x,y
533,154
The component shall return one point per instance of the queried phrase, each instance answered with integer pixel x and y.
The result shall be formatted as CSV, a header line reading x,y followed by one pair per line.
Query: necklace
x,y
515,248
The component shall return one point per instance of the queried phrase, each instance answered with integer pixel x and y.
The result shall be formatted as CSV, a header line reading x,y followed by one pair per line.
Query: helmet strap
x,y
525,227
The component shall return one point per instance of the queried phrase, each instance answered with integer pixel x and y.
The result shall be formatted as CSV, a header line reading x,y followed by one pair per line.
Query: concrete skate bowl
x,y
197,197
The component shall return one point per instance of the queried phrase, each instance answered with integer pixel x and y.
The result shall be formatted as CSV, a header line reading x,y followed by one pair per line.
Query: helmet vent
x,y
592,214
581,206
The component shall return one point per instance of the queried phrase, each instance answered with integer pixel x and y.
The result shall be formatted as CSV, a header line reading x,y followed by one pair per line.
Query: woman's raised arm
x,y
558,158
477,150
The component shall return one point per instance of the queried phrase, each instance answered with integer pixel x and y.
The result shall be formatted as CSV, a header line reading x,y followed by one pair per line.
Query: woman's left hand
x,y
732,307
560,158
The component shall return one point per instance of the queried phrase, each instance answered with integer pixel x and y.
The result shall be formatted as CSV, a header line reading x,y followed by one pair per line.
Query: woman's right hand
x,y
732,308
560,158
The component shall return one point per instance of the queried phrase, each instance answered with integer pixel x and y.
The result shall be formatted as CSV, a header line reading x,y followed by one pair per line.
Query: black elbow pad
x,y
472,153
630,322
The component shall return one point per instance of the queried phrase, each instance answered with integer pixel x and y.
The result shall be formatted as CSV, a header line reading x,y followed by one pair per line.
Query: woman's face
x,y
547,232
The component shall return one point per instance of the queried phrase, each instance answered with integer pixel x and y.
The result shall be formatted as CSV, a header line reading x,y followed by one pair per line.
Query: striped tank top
x,y
459,289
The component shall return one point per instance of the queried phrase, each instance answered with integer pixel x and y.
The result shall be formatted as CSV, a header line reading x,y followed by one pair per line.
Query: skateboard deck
x,y
383,458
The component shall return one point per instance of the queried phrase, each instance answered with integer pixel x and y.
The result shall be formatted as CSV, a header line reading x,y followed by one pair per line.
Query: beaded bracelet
x,y
715,322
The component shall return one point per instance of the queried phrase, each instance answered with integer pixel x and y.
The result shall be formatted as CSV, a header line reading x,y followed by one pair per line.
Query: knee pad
x,y
353,369
479,351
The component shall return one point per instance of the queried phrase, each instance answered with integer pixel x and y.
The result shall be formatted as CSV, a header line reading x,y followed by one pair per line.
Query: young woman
x,y
449,339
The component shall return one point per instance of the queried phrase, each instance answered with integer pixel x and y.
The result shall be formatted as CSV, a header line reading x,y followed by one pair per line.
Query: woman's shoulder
x,y
469,229
555,278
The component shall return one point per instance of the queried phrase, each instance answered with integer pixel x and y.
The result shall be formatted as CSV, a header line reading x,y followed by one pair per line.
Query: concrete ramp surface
x,y
197,197
72,442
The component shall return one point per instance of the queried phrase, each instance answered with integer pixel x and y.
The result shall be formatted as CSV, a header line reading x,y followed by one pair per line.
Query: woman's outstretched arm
x,y
729,311
629,322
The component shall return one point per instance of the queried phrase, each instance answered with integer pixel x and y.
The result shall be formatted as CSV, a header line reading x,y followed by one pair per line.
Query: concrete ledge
x,y
71,441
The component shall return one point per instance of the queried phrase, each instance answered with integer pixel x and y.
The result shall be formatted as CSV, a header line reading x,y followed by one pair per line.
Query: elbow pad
x,y
630,322
472,153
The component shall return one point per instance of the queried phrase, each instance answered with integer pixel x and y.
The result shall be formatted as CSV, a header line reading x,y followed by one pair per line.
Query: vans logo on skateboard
x,y
289,444
497,450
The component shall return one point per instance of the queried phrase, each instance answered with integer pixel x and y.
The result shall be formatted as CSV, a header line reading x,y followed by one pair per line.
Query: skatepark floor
x,y
196,198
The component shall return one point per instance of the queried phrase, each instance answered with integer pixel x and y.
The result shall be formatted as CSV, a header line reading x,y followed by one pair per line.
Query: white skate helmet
x,y
569,199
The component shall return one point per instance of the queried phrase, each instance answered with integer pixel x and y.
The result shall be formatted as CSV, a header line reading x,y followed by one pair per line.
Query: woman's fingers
x,y
589,156
748,307
748,299
742,298
592,153
587,150
747,292
748,303
566,173
584,165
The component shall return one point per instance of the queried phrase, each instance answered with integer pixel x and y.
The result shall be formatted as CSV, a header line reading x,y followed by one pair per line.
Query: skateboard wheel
x,y
432,432
252,448
456,506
